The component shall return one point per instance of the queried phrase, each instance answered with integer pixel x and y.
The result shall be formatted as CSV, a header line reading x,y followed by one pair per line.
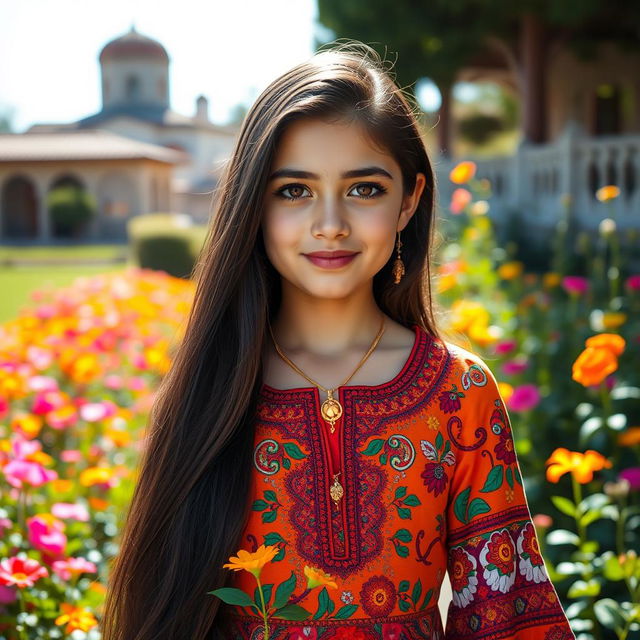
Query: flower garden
x,y
79,368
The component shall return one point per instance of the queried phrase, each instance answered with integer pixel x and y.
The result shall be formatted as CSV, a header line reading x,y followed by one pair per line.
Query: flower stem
x,y
23,609
264,610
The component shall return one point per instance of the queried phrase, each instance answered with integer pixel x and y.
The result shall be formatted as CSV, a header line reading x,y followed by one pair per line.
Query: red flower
x,y
378,596
435,477
450,400
501,552
461,569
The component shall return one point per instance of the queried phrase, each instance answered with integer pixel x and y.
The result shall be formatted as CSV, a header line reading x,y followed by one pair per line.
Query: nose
x,y
329,219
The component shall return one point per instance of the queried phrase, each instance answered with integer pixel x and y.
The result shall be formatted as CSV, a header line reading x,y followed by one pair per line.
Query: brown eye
x,y
295,192
378,190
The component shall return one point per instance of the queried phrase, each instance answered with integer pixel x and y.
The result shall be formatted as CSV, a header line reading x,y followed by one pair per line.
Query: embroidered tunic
x,y
431,483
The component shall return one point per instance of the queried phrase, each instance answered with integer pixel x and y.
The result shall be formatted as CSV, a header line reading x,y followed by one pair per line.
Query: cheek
x,y
281,232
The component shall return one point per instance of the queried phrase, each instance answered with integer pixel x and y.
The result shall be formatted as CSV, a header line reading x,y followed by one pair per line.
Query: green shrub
x,y
71,209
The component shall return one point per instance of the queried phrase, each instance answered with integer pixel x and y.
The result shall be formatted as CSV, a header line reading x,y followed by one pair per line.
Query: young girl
x,y
313,404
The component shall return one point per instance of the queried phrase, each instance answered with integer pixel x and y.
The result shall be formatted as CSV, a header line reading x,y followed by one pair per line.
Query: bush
x,y
71,208
165,242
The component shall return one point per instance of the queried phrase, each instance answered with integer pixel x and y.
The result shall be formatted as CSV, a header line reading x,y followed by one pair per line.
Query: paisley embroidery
x,y
474,375
397,449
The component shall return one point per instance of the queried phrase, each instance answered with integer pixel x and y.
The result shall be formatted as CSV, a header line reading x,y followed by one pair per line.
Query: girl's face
x,y
331,190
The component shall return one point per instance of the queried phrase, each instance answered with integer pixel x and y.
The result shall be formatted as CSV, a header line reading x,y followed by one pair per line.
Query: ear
x,y
410,202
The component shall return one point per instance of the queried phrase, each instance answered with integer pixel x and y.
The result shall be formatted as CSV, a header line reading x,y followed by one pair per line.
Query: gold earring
x,y
398,265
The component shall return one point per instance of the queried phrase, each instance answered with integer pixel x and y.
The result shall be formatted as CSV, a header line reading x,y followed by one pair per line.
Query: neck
x,y
328,326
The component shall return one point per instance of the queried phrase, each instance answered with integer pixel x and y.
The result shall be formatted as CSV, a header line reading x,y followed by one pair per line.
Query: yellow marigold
x,y
28,423
466,313
12,386
506,390
551,279
61,485
118,437
317,578
445,282
95,475
510,270
252,562
607,193
484,335
76,618
580,465
630,437
463,172
613,319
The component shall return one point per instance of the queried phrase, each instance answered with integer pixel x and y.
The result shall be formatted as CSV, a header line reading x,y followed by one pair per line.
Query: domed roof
x,y
133,45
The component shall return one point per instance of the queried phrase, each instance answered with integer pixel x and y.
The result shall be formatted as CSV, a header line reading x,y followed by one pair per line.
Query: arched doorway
x,y
118,201
19,208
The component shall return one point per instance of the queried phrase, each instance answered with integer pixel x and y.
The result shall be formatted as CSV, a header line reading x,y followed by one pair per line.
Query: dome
x,y
133,45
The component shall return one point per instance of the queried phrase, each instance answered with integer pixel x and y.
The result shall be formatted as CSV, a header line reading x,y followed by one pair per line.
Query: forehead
x,y
309,143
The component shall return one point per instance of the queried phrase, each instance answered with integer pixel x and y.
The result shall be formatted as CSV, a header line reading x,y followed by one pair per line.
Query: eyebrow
x,y
286,172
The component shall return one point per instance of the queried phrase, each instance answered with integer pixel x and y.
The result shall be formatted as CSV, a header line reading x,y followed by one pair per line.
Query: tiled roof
x,y
81,145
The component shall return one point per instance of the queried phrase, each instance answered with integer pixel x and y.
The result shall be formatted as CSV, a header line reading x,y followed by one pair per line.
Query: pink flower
x,y
21,472
70,567
460,198
21,572
7,595
575,284
114,381
71,455
4,407
96,411
632,475
524,397
46,401
515,366
43,383
392,631
5,524
46,534
633,282
505,346
70,511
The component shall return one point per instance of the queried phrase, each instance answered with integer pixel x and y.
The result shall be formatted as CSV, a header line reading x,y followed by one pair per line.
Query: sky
x,y
227,50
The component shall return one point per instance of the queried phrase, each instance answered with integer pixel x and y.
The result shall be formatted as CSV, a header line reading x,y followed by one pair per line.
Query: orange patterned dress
x,y
431,483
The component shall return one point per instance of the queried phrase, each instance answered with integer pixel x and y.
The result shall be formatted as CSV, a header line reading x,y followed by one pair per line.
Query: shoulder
x,y
472,376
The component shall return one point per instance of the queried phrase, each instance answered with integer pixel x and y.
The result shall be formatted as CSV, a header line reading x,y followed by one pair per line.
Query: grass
x,y
17,283
104,252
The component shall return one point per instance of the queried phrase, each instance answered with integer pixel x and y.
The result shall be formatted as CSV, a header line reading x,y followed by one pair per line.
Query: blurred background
x,y
115,124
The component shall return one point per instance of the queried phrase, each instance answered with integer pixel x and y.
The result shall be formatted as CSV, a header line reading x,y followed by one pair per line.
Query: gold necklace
x,y
331,408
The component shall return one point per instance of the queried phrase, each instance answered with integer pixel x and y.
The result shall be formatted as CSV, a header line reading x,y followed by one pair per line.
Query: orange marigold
x,y
580,465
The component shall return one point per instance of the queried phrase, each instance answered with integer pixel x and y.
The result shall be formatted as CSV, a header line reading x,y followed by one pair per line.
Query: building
x,y
136,155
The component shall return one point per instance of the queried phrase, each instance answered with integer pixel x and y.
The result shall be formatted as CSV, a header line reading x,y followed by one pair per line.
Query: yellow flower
x,y
76,618
95,475
607,193
581,465
317,577
613,319
463,172
551,279
252,562
506,390
510,270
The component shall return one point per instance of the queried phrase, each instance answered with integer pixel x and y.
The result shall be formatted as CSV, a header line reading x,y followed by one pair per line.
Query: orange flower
x,y
593,365
611,341
317,577
76,618
608,192
581,465
630,437
252,562
463,172
510,270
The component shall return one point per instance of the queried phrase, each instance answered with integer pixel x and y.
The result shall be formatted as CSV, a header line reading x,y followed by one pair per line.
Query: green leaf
x,y
562,536
266,592
323,603
269,516
294,451
403,535
564,505
402,551
286,463
284,591
259,505
346,612
612,569
509,475
270,496
590,516
412,500
478,506
494,479
374,447
609,614
404,605
439,440
233,596
582,588
405,514
292,612
426,600
417,591
401,492
404,586
460,505
383,458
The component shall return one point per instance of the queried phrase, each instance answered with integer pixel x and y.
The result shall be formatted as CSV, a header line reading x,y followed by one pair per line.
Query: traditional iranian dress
x,y
431,483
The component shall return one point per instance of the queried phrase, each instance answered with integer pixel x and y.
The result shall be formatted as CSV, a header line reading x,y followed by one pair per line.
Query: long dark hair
x,y
191,499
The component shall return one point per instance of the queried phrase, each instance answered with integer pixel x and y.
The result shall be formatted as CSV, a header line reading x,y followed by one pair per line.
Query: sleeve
x,y
500,586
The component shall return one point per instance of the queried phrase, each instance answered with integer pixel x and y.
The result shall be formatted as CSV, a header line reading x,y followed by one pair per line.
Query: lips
x,y
330,259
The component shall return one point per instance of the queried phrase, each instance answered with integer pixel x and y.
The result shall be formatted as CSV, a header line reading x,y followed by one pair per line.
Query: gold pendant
x,y
331,409
336,490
